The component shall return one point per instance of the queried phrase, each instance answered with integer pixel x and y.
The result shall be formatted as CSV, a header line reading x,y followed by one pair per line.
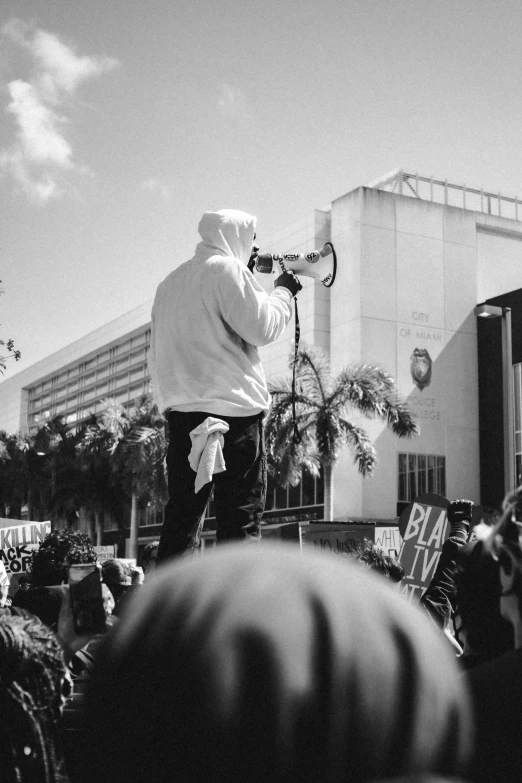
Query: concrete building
x,y
415,257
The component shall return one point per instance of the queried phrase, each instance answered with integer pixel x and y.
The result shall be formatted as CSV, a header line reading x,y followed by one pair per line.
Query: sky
x,y
122,122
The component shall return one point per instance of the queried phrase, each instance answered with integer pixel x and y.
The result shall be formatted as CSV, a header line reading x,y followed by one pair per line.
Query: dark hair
x,y
32,679
371,556
146,555
477,583
284,666
59,550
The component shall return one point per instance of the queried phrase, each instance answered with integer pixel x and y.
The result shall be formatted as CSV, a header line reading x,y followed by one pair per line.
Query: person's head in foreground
x,y
33,685
264,664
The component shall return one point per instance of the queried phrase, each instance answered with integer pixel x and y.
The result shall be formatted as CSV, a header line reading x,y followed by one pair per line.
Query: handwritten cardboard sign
x,y
18,541
106,552
334,537
389,540
424,528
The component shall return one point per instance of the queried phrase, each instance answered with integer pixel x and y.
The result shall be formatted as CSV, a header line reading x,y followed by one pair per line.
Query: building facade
x,y
415,257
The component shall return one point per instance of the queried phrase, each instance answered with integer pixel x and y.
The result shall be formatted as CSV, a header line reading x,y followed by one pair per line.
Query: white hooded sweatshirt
x,y
208,318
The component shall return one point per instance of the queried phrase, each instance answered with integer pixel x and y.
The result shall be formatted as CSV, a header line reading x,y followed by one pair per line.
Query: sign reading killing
x,y
18,541
424,528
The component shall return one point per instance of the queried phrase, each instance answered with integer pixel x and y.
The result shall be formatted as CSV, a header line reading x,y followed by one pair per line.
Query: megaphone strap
x,y
297,436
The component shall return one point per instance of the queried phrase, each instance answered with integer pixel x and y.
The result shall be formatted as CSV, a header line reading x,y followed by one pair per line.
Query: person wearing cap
x,y
209,318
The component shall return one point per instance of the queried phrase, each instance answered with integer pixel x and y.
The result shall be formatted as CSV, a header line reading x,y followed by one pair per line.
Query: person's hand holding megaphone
x,y
289,280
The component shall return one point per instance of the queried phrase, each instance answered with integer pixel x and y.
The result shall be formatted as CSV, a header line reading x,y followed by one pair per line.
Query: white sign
x,y
105,552
17,542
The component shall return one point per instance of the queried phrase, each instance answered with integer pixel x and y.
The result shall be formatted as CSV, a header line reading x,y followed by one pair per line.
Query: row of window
x,y
82,410
420,473
417,473
85,372
100,389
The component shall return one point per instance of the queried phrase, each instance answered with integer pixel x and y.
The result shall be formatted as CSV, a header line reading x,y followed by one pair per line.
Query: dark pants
x,y
239,492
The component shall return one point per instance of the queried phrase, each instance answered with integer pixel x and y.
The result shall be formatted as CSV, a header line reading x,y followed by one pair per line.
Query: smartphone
x,y
85,587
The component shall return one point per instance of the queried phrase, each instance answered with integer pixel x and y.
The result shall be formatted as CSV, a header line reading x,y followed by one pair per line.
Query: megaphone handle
x,y
297,436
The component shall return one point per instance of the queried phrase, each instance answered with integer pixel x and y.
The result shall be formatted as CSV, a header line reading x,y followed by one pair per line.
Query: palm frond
x,y
312,368
364,387
364,451
399,418
114,418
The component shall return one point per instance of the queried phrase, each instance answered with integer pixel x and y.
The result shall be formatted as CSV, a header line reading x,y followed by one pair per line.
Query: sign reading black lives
x,y
424,528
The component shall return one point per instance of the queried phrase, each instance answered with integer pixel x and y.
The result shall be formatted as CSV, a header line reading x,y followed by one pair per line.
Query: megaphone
x,y
319,264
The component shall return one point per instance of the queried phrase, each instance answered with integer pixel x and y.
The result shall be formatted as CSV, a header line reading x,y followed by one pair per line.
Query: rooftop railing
x,y
444,192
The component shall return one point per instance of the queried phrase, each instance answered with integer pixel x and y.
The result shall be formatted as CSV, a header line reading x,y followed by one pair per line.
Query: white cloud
x,y
39,138
41,153
155,185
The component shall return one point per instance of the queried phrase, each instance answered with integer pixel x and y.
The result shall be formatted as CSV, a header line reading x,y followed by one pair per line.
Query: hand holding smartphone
x,y
85,587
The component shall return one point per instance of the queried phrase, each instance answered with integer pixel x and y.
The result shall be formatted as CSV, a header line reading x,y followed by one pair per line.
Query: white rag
x,y
206,455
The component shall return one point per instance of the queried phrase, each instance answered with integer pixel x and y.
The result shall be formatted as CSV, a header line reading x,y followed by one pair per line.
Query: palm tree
x,y
101,490
13,474
57,475
138,450
322,405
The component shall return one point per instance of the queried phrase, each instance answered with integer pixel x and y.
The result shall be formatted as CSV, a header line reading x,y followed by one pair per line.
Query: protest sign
x,y
4,578
389,540
107,552
424,528
18,541
335,537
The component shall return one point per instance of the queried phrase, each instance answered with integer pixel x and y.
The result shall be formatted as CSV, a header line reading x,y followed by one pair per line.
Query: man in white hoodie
x,y
209,317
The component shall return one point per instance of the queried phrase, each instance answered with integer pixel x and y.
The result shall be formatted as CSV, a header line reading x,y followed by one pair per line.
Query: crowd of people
x,y
258,662
264,663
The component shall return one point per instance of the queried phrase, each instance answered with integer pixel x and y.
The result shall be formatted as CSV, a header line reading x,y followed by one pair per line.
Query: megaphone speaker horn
x,y
319,264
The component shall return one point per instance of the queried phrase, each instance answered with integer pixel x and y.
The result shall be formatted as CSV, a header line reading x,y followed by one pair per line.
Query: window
x,y
137,373
121,381
138,356
139,339
309,492
420,473
122,363
88,379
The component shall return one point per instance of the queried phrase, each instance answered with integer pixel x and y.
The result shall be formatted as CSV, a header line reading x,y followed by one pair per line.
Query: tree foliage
x,y
58,471
323,407
7,348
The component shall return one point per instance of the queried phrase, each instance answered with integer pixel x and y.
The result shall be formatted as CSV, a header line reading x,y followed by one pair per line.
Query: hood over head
x,y
227,232
267,664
